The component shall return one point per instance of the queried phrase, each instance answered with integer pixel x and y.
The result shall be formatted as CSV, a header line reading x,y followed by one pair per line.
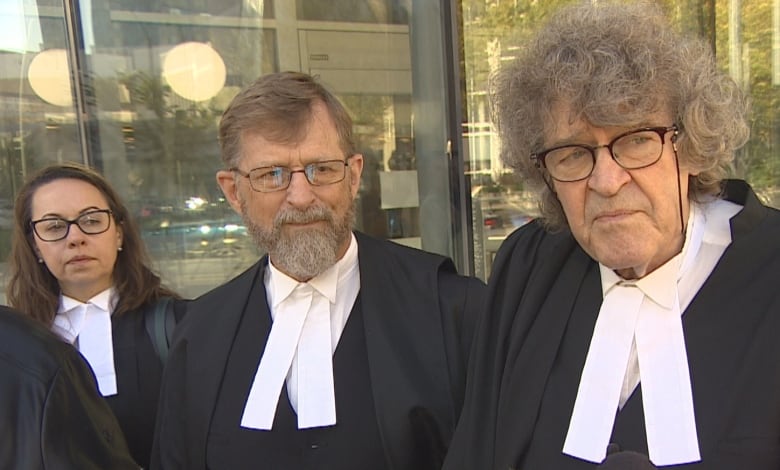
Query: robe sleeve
x,y
515,292
78,429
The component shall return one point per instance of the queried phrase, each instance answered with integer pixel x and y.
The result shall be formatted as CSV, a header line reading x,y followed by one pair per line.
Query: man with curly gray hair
x,y
637,319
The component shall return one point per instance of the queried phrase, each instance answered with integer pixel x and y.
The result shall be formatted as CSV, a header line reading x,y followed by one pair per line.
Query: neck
x,y
83,293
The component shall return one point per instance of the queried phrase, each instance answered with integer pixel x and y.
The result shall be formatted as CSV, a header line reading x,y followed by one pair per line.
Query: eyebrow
x,y
315,160
578,138
575,139
55,215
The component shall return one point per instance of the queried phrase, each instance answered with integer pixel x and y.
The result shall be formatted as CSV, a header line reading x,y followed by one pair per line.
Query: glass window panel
x,y
242,8
160,81
37,117
158,147
357,11
153,133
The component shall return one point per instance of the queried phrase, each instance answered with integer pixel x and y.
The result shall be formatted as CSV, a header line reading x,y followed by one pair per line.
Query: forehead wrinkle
x,y
319,123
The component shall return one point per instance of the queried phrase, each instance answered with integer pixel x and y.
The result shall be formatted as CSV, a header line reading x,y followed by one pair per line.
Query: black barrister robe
x,y
418,318
138,374
51,414
530,348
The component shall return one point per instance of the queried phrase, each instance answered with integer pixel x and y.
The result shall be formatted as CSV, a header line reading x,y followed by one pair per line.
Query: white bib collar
x,y
88,327
642,326
308,319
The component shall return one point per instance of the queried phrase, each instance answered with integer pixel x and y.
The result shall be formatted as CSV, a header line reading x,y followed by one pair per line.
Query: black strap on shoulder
x,y
159,324
170,322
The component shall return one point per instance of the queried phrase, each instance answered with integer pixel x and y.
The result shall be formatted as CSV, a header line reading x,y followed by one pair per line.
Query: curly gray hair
x,y
613,65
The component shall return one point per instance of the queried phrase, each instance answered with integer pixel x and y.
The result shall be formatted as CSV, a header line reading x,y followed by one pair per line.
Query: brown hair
x,y
33,290
278,106
612,65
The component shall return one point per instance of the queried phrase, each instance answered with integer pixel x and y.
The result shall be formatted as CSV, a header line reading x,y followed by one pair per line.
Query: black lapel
x,y
406,353
215,318
542,324
721,323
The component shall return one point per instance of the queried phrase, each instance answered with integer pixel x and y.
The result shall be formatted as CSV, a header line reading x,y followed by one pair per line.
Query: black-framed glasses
x,y
266,179
52,229
632,150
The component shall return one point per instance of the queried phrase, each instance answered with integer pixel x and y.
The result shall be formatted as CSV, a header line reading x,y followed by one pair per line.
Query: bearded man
x,y
336,350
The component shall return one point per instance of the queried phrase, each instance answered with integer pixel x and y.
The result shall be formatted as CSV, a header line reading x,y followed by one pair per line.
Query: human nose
x,y
75,235
302,171
300,192
608,176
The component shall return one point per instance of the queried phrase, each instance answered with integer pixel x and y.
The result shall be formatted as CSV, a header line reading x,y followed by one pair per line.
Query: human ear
x,y
355,171
226,180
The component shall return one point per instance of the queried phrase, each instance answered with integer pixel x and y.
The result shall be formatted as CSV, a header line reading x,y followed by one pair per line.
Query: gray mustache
x,y
312,214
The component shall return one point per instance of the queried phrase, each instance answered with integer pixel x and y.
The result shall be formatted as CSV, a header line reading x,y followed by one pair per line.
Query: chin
x,y
617,262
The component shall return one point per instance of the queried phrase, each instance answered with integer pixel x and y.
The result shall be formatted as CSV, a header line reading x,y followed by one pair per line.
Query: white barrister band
x,y
95,343
316,391
593,417
666,386
88,327
282,342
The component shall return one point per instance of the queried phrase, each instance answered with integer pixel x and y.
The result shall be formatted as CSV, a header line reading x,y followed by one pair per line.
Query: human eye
x,y
325,172
270,176
53,226
637,149
569,156
92,219
325,168
639,139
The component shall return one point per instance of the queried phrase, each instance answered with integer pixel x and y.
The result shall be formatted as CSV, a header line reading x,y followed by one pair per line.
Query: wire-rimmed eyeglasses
x,y
266,179
52,229
632,150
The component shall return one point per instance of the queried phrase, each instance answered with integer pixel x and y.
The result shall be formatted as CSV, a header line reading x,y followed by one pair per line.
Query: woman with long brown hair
x,y
79,266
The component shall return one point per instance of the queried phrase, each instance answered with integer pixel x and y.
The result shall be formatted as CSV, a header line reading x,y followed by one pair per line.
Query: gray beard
x,y
302,254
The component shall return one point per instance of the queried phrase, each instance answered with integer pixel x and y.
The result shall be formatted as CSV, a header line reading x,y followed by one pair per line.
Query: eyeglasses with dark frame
x,y
632,150
52,229
267,179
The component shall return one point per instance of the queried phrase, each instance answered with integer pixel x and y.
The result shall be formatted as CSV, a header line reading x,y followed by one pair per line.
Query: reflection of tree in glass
x,y
493,31
174,151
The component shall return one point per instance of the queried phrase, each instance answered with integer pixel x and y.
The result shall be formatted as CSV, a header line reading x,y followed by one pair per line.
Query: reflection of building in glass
x,y
419,105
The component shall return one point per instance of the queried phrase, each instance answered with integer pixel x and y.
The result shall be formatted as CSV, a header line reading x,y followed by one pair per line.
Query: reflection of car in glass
x,y
198,237
505,219
493,221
